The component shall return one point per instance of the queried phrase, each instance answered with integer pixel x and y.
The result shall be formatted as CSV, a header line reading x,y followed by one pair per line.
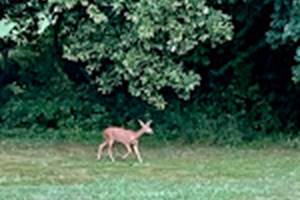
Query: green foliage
x,y
43,98
58,107
138,43
23,21
199,123
296,68
285,29
225,117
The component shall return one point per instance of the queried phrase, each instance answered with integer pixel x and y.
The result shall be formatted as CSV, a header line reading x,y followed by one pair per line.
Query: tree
x,y
137,44
29,31
22,22
285,30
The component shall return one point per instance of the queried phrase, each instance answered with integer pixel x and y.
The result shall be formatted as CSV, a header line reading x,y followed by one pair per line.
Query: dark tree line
x,y
228,70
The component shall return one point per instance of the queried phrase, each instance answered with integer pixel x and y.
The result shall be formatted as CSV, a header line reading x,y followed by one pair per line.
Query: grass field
x,y
57,171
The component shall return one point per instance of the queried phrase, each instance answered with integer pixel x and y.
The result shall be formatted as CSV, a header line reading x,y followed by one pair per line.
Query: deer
x,y
129,138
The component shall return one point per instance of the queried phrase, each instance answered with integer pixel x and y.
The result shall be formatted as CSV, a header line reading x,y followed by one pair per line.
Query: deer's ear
x,y
149,122
141,123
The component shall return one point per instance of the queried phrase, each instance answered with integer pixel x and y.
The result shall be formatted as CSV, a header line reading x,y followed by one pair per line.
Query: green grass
x,y
57,171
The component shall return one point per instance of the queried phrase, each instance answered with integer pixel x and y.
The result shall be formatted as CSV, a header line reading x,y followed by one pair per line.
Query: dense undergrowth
x,y
70,112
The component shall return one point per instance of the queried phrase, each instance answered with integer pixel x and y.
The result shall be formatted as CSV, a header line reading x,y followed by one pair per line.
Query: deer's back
x,y
119,134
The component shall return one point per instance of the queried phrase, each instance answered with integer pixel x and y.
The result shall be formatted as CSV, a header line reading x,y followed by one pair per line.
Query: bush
x,y
67,111
53,108
51,105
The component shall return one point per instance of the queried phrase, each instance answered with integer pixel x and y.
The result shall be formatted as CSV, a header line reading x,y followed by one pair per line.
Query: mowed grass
x,y
57,171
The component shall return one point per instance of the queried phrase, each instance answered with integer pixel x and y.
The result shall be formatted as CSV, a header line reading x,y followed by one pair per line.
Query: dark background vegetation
x,y
249,87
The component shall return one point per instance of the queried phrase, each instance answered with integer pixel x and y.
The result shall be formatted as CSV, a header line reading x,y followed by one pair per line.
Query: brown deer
x,y
126,137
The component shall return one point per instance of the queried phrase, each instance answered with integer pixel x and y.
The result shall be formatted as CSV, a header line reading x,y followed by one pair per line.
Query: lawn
x,y
58,171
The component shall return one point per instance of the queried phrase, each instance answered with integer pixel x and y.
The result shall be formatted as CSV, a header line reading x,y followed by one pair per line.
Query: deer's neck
x,y
139,133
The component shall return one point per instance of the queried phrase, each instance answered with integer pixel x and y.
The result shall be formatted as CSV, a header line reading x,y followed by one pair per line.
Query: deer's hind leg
x,y
129,151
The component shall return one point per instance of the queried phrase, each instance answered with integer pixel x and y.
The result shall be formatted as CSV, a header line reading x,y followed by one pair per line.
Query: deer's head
x,y
146,126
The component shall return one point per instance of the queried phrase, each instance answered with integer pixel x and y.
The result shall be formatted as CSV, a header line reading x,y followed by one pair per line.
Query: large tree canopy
x,y
134,44
138,43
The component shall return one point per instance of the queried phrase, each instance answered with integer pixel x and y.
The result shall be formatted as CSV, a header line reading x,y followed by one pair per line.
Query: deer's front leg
x,y
129,151
110,146
137,152
100,149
